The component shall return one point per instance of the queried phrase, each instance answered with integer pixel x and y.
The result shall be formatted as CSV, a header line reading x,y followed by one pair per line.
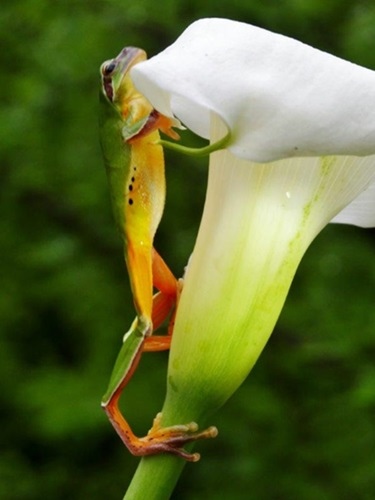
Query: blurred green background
x,y
303,424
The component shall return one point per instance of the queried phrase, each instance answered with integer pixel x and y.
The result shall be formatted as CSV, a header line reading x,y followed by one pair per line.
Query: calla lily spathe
x,y
300,153
306,113
258,221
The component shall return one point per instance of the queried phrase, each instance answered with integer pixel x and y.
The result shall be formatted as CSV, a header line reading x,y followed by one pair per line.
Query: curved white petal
x,y
279,97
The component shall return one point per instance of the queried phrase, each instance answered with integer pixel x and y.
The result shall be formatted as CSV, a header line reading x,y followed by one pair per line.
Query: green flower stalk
x,y
302,133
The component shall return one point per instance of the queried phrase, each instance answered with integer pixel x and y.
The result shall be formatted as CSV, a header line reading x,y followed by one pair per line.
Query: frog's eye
x,y
108,68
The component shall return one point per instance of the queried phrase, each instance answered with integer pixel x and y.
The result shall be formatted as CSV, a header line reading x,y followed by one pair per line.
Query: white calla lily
x,y
301,138
258,221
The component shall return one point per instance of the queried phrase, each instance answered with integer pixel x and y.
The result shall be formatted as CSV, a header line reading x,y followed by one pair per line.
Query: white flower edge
x,y
361,211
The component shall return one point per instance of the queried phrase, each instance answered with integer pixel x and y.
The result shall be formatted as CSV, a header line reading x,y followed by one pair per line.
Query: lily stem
x,y
155,478
204,151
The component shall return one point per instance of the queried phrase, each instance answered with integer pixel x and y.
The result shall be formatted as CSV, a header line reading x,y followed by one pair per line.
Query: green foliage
x,y
302,424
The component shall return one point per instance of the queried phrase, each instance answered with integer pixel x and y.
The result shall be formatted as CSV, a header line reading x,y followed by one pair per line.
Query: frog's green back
x,y
116,154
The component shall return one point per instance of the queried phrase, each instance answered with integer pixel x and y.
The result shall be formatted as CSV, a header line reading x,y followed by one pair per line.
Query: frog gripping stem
x,y
159,439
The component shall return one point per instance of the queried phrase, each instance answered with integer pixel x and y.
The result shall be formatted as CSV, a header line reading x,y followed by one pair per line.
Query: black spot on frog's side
x,y
131,201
